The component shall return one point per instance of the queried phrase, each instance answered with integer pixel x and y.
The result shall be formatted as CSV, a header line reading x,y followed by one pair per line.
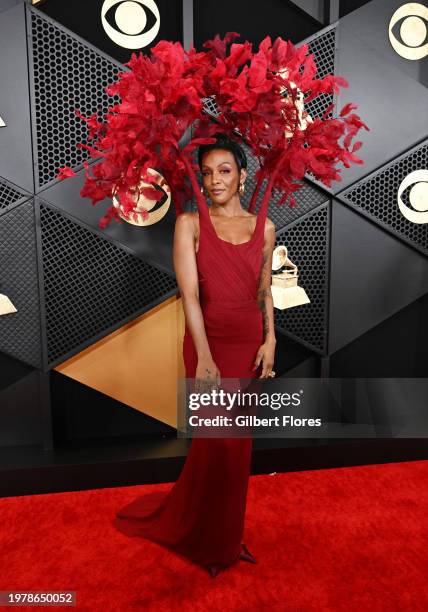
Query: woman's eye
x,y
205,173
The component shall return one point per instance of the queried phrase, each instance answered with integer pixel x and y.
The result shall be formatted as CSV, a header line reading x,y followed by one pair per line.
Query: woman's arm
x,y
187,278
266,352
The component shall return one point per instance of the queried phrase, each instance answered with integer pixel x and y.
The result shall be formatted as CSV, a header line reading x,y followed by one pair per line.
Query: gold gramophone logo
x,y
412,20
124,22
418,196
146,211
303,117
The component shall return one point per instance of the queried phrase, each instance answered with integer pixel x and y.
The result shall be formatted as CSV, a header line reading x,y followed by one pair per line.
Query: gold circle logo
x,y
138,216
413,31
418,196
131,19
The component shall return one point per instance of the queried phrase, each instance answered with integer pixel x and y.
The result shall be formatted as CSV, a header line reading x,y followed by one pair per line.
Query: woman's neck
x,y
231,208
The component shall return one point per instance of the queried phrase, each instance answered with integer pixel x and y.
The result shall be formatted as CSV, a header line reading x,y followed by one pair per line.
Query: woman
x,y
223,262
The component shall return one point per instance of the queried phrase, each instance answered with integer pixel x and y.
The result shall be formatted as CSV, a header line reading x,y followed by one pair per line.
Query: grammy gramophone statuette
x,y
286,293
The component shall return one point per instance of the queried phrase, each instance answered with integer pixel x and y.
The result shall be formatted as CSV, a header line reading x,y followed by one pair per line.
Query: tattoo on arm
x,y
263,293
265,315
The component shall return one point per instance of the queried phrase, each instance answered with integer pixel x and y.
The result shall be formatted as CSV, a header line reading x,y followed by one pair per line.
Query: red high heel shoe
x,y
246,555
213,570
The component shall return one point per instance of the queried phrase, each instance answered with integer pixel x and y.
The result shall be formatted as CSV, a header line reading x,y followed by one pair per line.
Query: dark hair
x,y
224,142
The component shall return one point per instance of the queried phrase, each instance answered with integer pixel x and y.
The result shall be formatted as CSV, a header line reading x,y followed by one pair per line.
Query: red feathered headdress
x,y
256,99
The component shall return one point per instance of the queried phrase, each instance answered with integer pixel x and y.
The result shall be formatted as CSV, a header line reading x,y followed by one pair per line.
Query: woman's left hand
x,y
265,354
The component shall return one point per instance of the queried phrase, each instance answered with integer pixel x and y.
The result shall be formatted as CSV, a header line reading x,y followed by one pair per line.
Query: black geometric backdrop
x,y
90,284
73,284
375,195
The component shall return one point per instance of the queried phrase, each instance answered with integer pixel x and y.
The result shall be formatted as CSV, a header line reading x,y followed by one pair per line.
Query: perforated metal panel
x,y
90,285
307,244
20,334
10,195
306,198
67,74
323,47
376,197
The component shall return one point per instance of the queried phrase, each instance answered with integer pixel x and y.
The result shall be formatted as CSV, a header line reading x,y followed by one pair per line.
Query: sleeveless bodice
x,y
228,272
229,279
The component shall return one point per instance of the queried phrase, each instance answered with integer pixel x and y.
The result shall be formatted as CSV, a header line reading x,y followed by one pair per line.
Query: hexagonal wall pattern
x,y
10,195
307,242
67,74
376,197
20,332
323,46
90,285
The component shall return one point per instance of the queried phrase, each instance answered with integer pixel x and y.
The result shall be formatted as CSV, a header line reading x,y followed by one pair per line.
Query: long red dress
x,y
202,515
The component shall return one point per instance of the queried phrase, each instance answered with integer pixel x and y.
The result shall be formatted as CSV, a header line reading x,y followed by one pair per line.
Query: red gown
x,y
202,515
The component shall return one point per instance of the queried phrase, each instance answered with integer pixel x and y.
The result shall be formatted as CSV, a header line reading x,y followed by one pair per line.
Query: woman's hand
x,y
207,375
265,354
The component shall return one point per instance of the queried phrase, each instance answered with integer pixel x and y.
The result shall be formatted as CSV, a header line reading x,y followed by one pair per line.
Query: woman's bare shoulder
x,y
187,218
269,229
269,224
188,221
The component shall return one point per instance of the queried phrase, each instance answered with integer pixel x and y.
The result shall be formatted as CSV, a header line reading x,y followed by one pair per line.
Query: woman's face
x,y
220,175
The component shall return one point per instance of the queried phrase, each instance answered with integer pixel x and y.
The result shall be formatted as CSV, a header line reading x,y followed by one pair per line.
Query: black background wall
x,y
362,263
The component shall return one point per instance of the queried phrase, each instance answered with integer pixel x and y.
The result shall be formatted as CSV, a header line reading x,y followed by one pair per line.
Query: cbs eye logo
x,y
413,31
130,19
418,196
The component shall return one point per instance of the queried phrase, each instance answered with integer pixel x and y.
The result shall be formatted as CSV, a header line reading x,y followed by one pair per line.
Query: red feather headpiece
x,y
162,95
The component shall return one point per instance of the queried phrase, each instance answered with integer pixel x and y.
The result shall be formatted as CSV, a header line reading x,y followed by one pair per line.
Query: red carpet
x,y
337,539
